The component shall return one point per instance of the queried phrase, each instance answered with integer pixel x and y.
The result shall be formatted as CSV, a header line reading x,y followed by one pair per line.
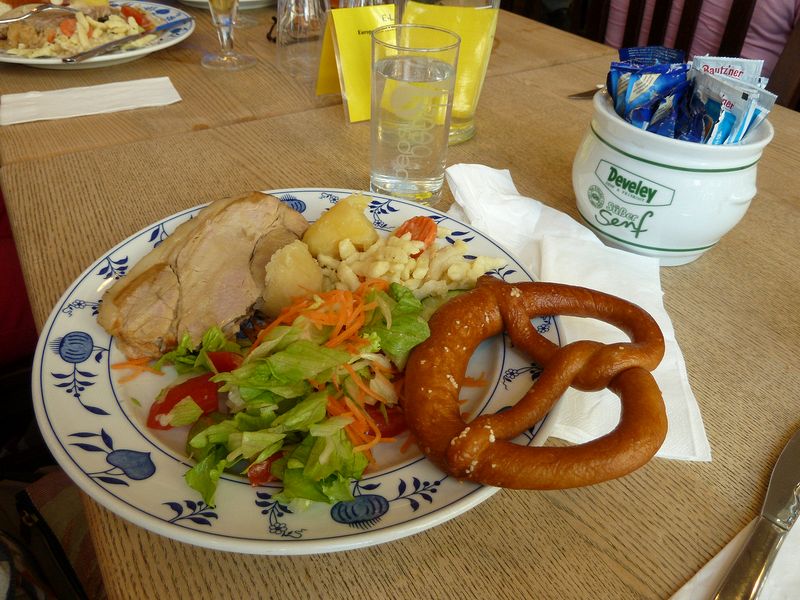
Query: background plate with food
x,y
95,423
49,37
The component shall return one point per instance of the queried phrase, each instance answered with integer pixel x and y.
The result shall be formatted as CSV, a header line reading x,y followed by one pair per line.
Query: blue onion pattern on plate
x,y
99,438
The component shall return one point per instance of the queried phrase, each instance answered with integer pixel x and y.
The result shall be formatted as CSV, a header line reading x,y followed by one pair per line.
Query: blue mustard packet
x,y
665,116
651,55
617,83
690,119
648,86
714,100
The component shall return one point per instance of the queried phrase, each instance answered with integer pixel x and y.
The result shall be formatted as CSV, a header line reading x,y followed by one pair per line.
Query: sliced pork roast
x,y
210,271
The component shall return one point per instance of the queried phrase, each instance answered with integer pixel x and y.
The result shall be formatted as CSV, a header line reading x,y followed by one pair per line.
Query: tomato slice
x,y
261,472
141,17
225,361
394,423
422,229
201,389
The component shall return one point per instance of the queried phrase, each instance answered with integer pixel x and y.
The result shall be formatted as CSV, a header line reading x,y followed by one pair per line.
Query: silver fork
x,y
36,10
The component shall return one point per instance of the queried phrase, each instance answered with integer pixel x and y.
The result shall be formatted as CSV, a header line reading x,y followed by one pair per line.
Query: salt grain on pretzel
x,y
481,451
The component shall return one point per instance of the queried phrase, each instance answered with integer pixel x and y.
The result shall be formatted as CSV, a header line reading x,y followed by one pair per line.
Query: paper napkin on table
x,y
89,100
782,582
554,247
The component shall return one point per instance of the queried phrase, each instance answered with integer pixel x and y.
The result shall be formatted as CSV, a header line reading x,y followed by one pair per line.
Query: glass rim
x,y
394,46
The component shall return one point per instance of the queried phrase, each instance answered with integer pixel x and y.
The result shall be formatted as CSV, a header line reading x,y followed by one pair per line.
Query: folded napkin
x,y
554,247
782,583
89,100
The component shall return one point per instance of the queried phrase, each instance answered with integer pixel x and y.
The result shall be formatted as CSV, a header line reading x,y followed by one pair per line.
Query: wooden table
x,y
75,188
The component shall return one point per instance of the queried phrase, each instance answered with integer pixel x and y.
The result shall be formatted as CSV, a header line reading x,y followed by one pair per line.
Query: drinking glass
x,y
300,27
243,21
223,15
475,22
413,73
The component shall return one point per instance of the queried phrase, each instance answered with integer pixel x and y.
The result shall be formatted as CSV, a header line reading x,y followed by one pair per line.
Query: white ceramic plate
x,y
243,4
161,12
94,425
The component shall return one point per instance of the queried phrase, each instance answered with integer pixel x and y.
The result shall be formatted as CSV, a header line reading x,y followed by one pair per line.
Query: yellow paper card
x,y
346,51
328,75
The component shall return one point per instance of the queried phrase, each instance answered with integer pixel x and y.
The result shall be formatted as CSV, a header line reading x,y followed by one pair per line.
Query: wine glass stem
x,y
225,33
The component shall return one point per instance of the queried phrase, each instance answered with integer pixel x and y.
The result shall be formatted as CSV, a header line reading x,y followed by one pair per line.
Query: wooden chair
x,y
590,17
785,78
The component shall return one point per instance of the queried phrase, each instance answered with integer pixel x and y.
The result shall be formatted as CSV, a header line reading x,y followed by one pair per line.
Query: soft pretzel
x,y
480,451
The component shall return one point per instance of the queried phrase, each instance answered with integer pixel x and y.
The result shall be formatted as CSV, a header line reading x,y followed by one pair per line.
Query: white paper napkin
x,y
89,100
554,247
782,583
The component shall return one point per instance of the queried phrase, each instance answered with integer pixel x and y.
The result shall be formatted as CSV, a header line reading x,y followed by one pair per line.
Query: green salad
x,y
305,402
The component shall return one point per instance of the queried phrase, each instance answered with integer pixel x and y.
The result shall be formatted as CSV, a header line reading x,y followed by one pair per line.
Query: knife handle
x,y
749,570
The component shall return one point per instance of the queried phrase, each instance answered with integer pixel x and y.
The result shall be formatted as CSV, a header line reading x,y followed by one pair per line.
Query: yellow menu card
x,y
344,65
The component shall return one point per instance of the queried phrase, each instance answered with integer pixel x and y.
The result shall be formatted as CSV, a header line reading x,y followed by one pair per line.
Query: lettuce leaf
x,y
284,335
215,434
405,327
185,412
284,373
190,357
256,445
204,476
304,414
321,467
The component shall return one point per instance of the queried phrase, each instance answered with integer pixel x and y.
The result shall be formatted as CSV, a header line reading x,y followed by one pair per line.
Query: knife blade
x,y
108,47
587,94
780,511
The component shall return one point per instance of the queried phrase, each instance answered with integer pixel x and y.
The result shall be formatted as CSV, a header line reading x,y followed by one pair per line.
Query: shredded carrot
x,y
351,330
360,383
354,346
376,437
369,445
337,413
373,284
362,441
287,315
137,366
355,439
342,310
335,380
475,382
358,414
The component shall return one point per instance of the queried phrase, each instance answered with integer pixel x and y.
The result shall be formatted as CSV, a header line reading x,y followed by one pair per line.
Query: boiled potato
x,y
291,272
346,220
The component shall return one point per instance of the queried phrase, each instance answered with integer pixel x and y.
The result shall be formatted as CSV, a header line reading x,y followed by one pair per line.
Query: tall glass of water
x,y
223,15
413,76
